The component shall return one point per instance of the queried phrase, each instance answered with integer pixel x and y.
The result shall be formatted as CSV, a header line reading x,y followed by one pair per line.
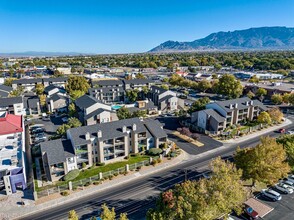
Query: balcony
x,y
81,151
119,141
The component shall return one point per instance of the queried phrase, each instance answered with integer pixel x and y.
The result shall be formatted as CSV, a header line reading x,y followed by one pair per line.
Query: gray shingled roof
x,y
215,115
108,82
56,97
241,104
5,88
27,81
49,88
10,101
57,150
96,112
161,90
55,79
154,127
33,102
138,81
109,130
165,98
86,101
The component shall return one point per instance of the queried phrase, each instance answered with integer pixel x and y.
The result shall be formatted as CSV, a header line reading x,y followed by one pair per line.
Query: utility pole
x,y
186,176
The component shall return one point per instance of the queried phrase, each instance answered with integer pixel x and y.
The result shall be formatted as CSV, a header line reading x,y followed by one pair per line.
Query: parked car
x,y
38,130
282,130
271,194
289,179
64,119
40,135
290,132
38,140
284,188
288,183
251,212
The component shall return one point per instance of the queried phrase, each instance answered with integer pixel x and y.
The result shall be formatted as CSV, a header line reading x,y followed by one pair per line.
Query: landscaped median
x,y
95,175
188,139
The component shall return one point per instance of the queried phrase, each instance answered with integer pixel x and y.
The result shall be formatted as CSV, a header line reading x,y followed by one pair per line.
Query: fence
x,y
80,184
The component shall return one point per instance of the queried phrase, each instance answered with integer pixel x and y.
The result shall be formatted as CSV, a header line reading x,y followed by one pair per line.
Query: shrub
x,y
71,175
115,174
64,193
126,172
154,162
87,184
159,160
169,158
110,177
96,182
74,188
126,157
155,151
100,164
139,168
173,154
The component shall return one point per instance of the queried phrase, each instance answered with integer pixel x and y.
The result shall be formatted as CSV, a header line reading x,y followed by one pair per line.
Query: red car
x,y
251,212
282,130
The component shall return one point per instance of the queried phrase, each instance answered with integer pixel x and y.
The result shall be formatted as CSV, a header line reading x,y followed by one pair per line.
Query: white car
x,y
284,188
271,194
290,132
290,179
288,183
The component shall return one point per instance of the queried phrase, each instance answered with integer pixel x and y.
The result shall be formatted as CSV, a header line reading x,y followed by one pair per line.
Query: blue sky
x,y
127,26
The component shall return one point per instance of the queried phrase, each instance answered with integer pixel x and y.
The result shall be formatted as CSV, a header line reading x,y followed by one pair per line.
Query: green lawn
x,y
113,166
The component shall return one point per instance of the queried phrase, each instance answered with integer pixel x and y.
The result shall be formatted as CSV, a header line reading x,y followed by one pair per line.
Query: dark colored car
x,y
251,212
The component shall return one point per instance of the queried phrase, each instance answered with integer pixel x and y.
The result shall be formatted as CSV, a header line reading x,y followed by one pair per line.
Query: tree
x,y
199,104
57,74
275,114
123,113
17,92
229,86
250,94
139,113
109,214
291,99
77,83
61,130
261,92
74,94
72,215
74,122
42,100
132,95
71,109
277,99
288,143
185,131
204,85
165,86
8,81
205,199
286,97
264,118
39,89
140,76
254,79
264,163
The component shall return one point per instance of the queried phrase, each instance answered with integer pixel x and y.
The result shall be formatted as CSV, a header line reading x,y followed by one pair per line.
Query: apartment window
x,y
70,160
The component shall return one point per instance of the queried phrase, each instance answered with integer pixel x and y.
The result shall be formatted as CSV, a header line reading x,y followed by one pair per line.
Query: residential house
x,y
32,105
12,152
51,89
165,100
219,115
144,105
4,91
13,105
56,81
92,111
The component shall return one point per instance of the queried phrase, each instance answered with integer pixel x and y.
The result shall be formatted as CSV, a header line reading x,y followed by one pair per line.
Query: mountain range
x,y
262,38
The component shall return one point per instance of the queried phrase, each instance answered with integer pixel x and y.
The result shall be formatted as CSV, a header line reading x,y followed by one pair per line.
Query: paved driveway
x,y
171,124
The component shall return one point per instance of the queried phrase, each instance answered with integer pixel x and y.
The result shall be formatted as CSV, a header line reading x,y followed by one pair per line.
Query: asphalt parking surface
x,y
283,209
171,124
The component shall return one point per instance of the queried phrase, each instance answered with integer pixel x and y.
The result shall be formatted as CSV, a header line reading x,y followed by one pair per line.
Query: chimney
x,y
247,103
251,102
124,129
231,106
236,105
99,134
134,127
87,135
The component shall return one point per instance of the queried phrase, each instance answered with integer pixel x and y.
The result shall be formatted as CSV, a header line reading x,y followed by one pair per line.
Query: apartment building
x,y
13,105
108,91
100,143
92,111
165,100
12,152
30,84
219,115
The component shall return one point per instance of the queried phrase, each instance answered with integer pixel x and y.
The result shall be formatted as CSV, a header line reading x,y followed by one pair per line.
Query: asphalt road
x,y
137,196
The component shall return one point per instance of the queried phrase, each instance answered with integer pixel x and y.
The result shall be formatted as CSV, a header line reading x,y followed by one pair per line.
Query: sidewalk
x,y
12,210
258,133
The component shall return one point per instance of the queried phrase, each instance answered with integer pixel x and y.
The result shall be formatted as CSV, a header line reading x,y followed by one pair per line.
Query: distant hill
x,y
263,38
41,54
